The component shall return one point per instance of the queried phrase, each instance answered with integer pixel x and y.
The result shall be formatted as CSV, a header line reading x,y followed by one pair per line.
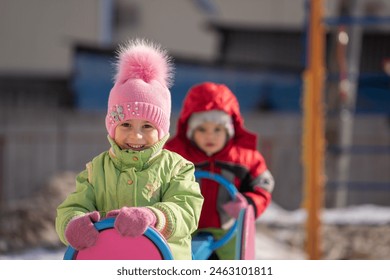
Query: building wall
x,y
37,37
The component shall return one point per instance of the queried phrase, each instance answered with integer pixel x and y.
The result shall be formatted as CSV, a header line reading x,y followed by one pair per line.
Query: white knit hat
x,y
214,116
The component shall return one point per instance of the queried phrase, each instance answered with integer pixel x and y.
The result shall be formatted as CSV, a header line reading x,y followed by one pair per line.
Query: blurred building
x,y
56,69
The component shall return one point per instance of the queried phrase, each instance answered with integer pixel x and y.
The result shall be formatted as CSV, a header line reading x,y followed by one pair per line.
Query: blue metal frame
x,y
235,228
149,233
230,187
240,227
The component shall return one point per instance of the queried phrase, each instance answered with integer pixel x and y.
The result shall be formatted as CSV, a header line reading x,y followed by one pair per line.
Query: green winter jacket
x,y
155,178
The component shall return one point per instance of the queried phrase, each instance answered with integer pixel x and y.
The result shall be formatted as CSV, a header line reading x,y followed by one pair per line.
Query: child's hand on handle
x,y
81,232
234,207
132,221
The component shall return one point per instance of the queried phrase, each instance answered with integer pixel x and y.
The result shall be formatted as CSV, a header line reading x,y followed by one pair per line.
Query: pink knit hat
x,y
144,74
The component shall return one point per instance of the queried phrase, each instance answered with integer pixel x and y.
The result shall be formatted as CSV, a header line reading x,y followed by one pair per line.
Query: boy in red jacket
x,y
211,134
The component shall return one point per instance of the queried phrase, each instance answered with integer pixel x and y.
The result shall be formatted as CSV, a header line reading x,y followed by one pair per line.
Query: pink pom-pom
x,y
140,59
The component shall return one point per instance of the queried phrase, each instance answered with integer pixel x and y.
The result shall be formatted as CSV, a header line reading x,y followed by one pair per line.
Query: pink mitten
x,y
132,221
80,231
233,208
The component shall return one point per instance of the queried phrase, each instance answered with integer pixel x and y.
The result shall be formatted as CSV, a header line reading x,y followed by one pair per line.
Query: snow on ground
x,y
358,215
266,246
36,254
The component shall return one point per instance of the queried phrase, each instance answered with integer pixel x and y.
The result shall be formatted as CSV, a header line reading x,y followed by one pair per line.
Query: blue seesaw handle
x,y
232,190
229,186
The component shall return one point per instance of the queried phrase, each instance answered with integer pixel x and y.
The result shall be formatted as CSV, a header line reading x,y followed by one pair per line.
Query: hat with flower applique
x,y
141,89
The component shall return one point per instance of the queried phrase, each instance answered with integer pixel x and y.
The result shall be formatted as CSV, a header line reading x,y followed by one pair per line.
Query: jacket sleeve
x,y
77,203
182,202
258,190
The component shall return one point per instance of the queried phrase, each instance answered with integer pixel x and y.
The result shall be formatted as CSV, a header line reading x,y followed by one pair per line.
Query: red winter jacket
x,y
238,161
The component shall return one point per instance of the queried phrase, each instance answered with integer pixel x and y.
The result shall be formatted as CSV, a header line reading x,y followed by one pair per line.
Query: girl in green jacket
x,y
136,180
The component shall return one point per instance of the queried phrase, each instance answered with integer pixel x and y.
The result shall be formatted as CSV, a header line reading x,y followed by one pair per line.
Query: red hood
x,y
210,96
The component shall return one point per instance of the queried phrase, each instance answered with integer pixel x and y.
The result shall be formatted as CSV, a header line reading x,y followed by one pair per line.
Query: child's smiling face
x,y
136,135
210,137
